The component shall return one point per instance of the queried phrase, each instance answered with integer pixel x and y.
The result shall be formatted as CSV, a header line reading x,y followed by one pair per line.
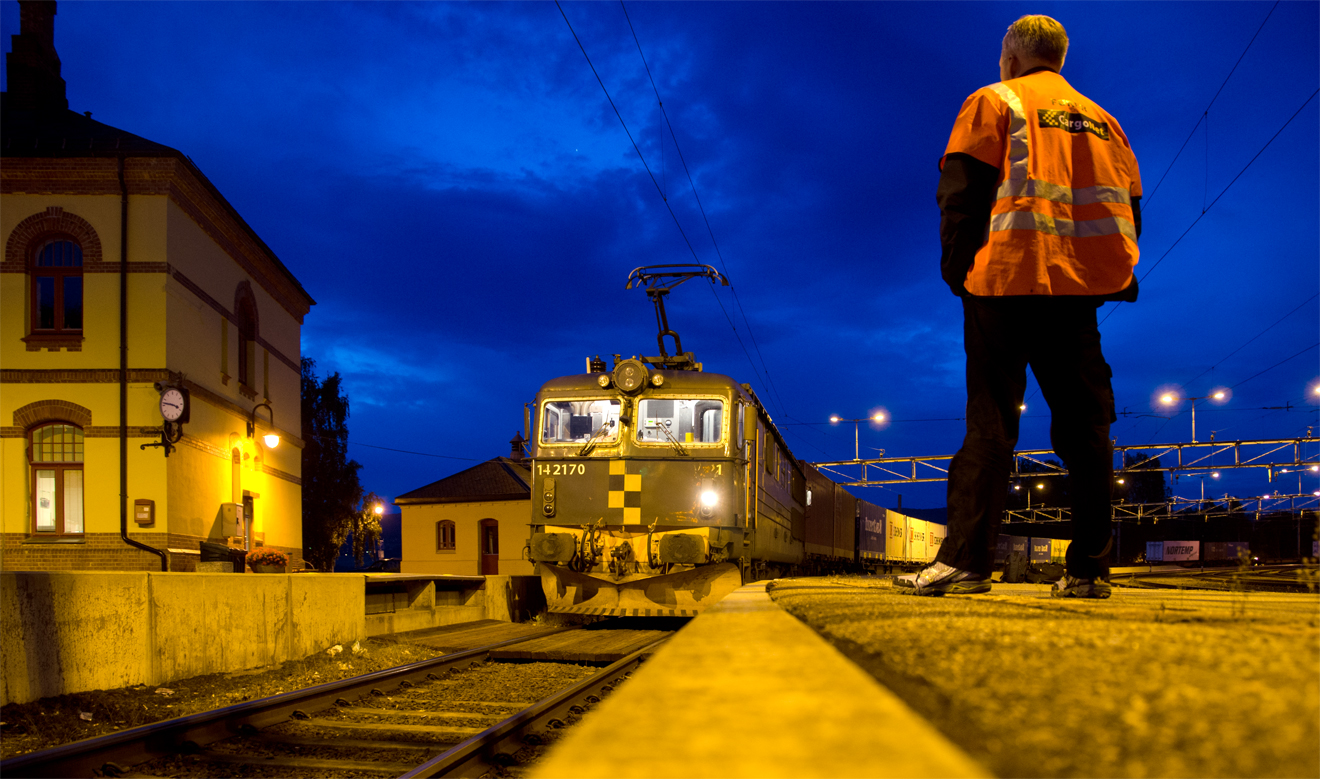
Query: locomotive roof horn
x,y
658,281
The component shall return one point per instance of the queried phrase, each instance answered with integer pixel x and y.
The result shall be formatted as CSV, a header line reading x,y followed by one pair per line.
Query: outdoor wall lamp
x,y
272,439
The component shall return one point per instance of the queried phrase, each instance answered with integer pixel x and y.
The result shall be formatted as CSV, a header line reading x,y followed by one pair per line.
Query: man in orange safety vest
x,y
1039,197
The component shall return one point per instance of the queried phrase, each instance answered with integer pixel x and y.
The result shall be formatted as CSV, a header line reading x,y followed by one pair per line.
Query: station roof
x,y
497,479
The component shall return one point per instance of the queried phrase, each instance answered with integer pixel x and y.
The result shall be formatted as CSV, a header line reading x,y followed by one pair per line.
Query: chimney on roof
x,y
519,445
34,67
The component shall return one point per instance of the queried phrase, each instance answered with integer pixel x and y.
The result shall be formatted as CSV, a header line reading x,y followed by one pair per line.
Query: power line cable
x,y
1253,338
1206,210
1205,115
421,454
1275,365
732,289
642,157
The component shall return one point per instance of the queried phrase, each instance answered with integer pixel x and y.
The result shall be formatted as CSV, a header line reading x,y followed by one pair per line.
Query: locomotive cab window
x,y
687,420
579,421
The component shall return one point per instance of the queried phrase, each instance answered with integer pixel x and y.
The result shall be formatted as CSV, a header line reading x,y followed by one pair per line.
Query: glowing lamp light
x,y
1168,398
1218,395
272,440
1040,486
1022,407
1121,481
834,418
1214,474
379,509
878,418
709,498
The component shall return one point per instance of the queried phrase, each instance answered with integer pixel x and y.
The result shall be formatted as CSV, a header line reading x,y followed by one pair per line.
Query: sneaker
x,y
1072,587
940,579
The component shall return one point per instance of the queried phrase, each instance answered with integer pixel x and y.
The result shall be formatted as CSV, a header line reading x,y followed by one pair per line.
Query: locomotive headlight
x,y
603,380
709,498
657,380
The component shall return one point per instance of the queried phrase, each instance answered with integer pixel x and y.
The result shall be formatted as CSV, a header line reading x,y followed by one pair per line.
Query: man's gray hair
x,y
1039,38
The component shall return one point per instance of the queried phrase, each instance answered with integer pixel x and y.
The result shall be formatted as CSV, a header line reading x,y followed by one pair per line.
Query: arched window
x,y
444,535
57,478
56,270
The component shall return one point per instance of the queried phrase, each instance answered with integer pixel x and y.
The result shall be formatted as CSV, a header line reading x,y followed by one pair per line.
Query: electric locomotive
x,y
658,488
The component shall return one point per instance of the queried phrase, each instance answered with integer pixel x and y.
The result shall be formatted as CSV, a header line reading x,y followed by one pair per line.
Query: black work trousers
x,y
1059,339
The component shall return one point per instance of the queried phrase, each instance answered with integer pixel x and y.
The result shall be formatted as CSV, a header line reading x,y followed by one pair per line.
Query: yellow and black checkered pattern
x,y
625,491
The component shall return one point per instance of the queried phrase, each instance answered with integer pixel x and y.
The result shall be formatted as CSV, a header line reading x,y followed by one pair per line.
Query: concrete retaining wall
x,y
67,632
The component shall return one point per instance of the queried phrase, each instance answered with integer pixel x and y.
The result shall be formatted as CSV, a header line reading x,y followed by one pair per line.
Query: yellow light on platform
x,y
272,440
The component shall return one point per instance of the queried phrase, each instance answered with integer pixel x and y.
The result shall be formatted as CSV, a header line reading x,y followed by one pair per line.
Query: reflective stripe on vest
x,y
1064,228
1017,184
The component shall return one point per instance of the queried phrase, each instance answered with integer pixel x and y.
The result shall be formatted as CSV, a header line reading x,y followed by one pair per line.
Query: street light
x,y
272,438
1170,398
876,417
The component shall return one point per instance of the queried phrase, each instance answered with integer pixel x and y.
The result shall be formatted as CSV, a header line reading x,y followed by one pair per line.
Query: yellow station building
x,y
137,307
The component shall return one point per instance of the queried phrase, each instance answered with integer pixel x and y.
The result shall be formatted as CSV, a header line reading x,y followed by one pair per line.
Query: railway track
x,y
423,719
1271,578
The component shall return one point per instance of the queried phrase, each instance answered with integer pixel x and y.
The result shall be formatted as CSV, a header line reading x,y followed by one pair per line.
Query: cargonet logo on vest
x,y
1073,123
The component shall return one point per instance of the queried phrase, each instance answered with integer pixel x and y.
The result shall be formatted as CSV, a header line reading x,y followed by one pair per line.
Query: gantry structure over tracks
x,y
1274,455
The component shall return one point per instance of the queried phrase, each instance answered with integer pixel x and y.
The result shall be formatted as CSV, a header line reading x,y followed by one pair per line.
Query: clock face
x,y
171,405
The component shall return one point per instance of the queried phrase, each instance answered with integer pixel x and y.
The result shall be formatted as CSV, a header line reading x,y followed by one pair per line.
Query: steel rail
x,y
482,750
106,755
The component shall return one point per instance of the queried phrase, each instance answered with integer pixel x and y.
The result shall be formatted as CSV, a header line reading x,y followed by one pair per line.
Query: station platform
x,y
846,676
746,690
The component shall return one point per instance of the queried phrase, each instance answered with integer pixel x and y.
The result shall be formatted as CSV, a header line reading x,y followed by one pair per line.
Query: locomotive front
x,y
639,490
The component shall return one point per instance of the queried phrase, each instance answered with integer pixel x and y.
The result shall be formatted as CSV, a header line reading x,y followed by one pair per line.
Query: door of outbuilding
x,y
489,538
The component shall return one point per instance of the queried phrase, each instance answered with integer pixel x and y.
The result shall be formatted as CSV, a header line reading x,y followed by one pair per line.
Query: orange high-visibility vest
x,y
1062,218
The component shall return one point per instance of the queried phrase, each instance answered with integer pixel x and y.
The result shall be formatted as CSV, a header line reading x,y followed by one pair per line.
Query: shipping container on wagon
x,y
820,513
935,535
1059,550
870,531
1040,550
1019,545
1181,551
845,525
896,547
1227,550
1154,551
1001,550
917,539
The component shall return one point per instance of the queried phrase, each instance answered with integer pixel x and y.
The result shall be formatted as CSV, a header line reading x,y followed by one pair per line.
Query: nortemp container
x,y
1040,550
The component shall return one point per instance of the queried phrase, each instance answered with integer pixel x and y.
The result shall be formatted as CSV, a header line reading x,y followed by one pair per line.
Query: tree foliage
x,y
366,529
331,490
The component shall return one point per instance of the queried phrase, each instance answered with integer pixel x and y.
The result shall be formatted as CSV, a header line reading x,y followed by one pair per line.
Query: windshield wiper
x,y
591,442
673,441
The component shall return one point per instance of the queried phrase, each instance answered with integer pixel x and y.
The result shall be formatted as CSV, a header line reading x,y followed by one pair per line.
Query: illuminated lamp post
x,y
1170,398
271,439
876,417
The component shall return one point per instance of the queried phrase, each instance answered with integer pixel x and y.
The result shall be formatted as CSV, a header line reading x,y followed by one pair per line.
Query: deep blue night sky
x,y
452,186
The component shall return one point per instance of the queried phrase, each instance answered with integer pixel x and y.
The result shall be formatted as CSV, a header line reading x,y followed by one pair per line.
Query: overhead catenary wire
x,y
658,187
700,207
1206,114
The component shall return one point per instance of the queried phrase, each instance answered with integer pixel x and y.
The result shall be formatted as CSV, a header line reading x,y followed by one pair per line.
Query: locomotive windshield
x,y
688,420
577,421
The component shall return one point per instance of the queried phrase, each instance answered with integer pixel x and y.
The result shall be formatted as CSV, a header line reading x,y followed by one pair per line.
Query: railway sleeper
x,y
317,764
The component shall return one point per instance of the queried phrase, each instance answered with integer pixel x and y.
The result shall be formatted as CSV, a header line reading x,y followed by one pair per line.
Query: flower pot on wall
x,y
259,568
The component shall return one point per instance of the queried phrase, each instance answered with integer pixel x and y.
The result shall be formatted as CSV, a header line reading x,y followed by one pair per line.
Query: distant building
x,y
129,285
474,522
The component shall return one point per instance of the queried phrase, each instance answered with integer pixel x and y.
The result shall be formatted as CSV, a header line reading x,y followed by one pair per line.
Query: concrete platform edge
x,y
747,690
